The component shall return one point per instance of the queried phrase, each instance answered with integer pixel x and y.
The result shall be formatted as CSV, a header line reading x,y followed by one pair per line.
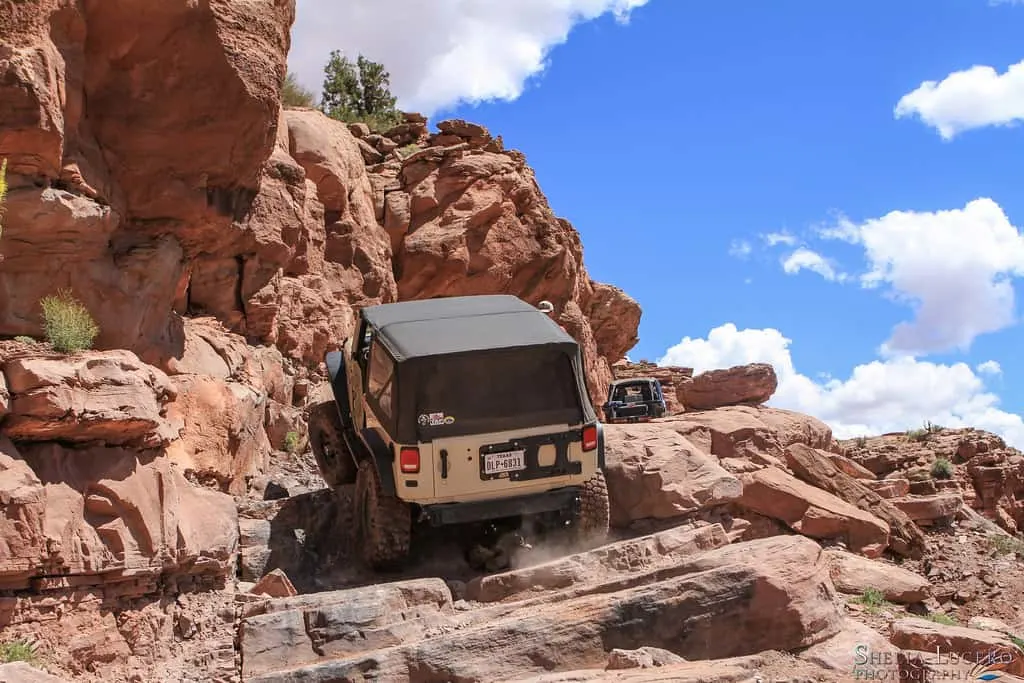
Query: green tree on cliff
x,y
359,92
294,95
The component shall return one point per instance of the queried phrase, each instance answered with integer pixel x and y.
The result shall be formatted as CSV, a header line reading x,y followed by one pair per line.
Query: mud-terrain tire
x,y
593,520
383,523
325,440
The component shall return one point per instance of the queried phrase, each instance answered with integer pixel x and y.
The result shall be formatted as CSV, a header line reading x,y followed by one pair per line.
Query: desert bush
x,y
67,323
873,600
17,651
942,468
291,442
943,619
293,94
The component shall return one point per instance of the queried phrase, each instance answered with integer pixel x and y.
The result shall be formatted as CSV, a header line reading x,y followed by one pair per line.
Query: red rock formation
x,y
986,474
279,224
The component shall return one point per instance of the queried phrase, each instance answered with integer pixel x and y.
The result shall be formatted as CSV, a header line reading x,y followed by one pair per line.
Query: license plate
x,y
506,461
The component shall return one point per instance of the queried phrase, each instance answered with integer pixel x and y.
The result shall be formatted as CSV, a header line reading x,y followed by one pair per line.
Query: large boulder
x,y
750,384
746,437
811,511
654,472
855,574
967,643
933,510
107,513
819,469
108,397
224,440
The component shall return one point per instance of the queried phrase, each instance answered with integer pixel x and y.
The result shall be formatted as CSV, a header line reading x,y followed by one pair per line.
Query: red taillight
x,y
409,460
589,437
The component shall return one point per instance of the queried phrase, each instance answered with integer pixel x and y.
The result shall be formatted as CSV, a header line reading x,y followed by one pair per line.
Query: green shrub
x,y
291,442
942,468
1006,545
24,340
408,150
861,441
293,94
17,651
943,619
873,599
917,435
67,323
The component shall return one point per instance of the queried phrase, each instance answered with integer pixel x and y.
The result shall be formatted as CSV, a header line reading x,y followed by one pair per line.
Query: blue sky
x,y
678,142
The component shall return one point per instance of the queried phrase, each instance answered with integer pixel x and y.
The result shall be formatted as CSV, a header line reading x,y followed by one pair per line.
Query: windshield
x,y
496,391
634,393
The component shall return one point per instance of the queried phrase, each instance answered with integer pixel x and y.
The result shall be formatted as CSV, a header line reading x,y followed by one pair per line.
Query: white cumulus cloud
x,y
740,249
878,397
444,52
953,267
774,238
805,259
989,367
968,99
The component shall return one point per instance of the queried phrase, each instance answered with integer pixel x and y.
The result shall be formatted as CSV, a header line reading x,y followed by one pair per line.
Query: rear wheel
x,y
328,445
383,522
592,522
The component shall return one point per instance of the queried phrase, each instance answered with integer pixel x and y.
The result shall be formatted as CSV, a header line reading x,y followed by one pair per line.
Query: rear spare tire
x,y
325,440
383,523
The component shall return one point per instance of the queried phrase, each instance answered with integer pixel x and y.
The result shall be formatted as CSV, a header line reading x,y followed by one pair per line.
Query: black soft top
x,y
633,380
461,324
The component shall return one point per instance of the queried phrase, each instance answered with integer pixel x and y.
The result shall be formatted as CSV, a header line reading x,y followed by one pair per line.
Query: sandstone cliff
x,y
153,171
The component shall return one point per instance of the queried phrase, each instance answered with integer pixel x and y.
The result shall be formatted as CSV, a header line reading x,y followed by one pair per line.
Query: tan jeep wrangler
x,y
456,410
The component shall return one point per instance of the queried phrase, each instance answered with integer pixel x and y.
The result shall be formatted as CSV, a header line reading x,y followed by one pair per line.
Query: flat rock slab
x,y
646,553
21,672
855,574
735,600
961,642
847,651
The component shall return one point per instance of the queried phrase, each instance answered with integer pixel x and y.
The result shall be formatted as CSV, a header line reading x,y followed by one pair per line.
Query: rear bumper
x,y
563,499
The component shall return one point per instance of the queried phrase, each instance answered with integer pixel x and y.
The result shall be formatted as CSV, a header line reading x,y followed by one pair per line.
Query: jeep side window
x,y
381,378
362,347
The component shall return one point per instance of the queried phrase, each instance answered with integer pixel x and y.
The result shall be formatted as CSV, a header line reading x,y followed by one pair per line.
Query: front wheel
x,y
593,521
328,445
383,522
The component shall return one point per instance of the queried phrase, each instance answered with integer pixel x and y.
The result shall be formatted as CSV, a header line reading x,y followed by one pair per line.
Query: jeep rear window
x,y
496,391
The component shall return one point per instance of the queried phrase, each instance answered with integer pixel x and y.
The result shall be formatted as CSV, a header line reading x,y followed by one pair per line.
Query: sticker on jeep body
x,y
435,419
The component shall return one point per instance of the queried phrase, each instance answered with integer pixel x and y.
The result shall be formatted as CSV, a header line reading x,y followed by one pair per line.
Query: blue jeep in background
x,y
637,399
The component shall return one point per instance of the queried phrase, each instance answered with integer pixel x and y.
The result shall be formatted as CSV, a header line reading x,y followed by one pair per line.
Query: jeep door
x,y
356,370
